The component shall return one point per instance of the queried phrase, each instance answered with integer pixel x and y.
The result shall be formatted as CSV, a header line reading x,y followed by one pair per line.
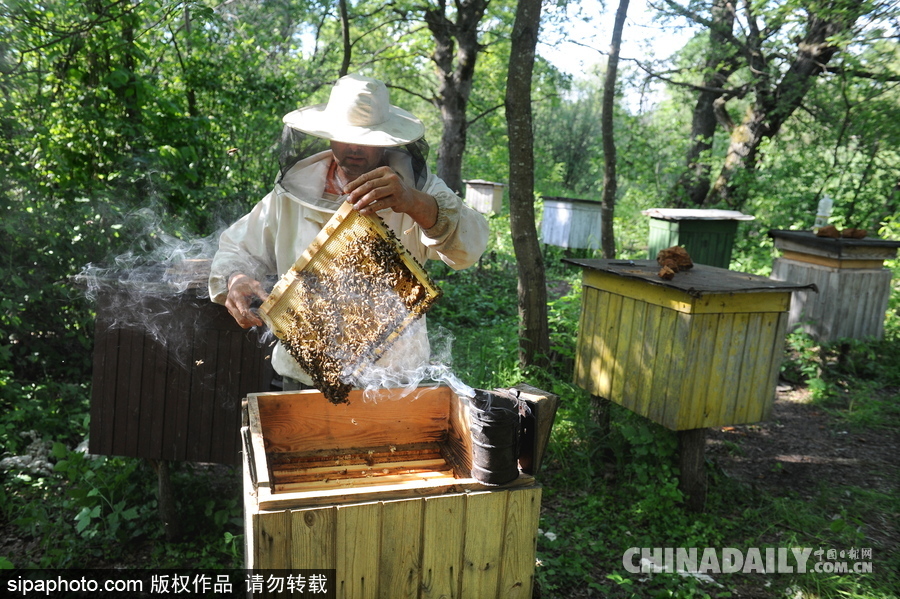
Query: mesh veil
x,y
296,145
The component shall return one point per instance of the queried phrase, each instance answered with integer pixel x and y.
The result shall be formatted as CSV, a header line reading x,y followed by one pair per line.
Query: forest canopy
x,y
118,108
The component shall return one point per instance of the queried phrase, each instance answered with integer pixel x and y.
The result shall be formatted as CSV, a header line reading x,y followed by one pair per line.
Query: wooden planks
x,y
484,196
402,537
571,223
372,467
478,545
172,391
394,521
444,527
306,421
681,367
850,303
700,302
708,241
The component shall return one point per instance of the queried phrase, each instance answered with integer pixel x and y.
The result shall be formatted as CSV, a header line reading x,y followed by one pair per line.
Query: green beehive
x,y
707,235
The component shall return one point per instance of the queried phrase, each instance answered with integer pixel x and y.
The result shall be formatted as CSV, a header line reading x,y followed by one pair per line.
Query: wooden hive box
x,y
485,197
702,350
171,390
571,223
854,286
380,491
708,235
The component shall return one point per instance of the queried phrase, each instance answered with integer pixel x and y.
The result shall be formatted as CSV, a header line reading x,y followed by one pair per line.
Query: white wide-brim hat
x,y
359,111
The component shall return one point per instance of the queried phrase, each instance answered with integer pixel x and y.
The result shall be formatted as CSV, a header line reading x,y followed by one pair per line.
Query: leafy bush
x,y
78,509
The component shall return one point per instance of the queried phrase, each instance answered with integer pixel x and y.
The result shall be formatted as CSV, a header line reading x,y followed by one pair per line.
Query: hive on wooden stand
x,y
700,350
854,287
484,196
572,223
380,490
708,235
172,391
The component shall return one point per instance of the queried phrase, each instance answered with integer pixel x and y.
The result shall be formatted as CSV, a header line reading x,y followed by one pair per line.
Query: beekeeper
x,y
361,149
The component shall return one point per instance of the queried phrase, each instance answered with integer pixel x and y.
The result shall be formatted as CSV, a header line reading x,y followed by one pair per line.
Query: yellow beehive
x,y
702,350
381,492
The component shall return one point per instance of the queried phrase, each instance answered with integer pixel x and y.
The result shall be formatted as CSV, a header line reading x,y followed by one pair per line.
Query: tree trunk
x,y
772,107
693,184
534,337
345,39
455,53
740,161
608,199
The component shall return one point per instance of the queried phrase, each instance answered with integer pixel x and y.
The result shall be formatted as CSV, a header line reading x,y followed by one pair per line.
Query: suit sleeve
x,y
246,247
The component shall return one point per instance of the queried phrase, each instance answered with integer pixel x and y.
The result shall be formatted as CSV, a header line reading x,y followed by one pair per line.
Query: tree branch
x,y
861,74
101,19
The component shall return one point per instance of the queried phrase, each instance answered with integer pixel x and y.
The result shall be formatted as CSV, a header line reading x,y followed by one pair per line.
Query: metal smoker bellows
x,y
347,299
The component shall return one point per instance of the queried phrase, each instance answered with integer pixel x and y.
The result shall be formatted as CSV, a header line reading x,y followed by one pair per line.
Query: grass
x,y
605,491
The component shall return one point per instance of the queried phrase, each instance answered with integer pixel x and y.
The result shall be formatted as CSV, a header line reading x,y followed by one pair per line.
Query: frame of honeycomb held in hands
x,y
346,300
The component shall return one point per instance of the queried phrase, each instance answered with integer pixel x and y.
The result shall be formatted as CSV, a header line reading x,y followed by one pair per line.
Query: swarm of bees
x,y
346,308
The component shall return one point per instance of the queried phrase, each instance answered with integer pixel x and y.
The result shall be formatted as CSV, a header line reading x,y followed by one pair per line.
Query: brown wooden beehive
x,y
346,299
172,393
380,491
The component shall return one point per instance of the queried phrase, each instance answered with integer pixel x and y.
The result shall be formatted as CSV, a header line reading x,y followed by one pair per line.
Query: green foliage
x,y
57,410
853,379
566,133
98,510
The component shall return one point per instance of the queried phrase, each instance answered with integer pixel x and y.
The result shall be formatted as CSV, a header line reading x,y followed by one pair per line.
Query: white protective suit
x,y
269,239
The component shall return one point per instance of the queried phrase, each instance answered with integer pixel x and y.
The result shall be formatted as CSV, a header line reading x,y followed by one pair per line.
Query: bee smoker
x,y
494,424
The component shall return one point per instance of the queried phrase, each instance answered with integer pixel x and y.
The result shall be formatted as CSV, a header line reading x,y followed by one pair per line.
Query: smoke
x,y
437,371
157,263
157,286
406,378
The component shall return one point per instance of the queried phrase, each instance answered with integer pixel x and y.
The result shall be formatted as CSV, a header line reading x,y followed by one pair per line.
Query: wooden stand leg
x,y
168,515
692,455
600,412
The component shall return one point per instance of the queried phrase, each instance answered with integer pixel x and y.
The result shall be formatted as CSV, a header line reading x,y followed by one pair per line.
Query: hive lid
x,y
346,299
695,214
844,248
701,280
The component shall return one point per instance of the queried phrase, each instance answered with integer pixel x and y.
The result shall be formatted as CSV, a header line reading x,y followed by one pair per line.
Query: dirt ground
x,y
800,446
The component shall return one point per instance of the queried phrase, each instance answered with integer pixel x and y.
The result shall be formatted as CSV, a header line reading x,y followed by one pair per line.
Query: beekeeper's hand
x,y
242,290
383,188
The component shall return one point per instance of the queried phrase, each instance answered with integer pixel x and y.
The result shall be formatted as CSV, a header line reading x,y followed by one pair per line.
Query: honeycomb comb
x,y
346,299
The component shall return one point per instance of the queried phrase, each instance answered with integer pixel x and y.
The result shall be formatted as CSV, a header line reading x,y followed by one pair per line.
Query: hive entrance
x,y
346,300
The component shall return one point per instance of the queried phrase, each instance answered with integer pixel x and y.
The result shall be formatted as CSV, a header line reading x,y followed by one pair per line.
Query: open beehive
x,y
379,490
347,299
